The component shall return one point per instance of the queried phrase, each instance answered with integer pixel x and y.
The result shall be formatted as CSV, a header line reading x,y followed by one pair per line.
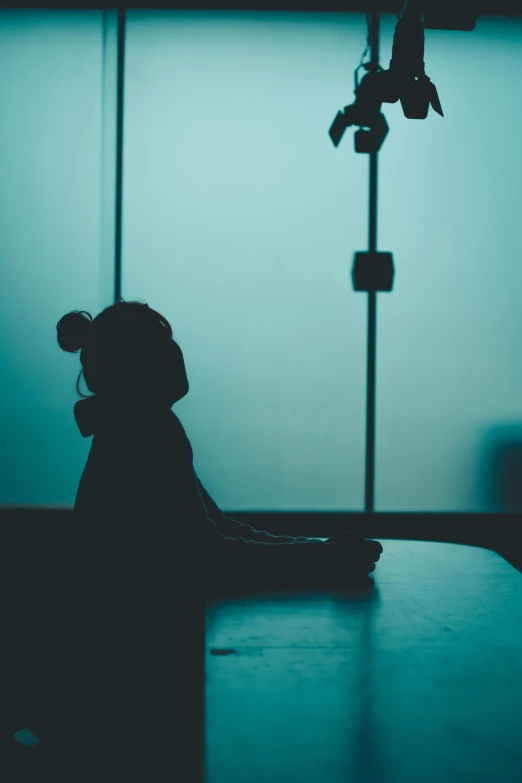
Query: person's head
x,y
127,353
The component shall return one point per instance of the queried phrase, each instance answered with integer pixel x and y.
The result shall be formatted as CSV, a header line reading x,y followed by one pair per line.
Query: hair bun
x,y
73,330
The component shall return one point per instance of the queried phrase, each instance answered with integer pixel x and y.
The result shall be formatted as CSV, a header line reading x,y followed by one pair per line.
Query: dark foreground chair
x,y
105,665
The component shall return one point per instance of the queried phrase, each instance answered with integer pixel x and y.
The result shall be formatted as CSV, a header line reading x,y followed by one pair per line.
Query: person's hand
x,y
346,538
354,542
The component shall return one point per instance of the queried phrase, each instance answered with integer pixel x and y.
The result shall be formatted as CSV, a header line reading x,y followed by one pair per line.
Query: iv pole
x,y
372,301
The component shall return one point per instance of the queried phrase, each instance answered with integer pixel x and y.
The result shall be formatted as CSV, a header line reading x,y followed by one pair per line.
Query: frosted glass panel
x,y
240,224
52,241
449,372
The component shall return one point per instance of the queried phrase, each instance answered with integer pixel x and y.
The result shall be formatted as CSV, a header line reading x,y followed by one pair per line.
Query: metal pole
x,y
372,303
119,152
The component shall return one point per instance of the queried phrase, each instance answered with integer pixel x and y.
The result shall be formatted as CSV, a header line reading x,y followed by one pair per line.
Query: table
x,y
416,676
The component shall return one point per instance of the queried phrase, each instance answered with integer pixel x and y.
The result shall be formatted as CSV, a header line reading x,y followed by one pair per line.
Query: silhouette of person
x,y
113,629
139,477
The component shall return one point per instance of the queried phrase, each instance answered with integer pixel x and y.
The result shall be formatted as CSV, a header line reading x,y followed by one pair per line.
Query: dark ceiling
x,y
482,7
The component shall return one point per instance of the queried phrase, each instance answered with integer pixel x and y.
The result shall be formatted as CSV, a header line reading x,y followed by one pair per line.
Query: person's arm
x,y
174,494
231,527
189,502
227,531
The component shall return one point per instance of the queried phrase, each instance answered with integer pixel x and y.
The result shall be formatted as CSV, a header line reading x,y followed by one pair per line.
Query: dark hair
x,y
126,342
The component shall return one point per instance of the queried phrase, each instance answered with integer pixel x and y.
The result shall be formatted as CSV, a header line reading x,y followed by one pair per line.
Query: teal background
x,y
240,224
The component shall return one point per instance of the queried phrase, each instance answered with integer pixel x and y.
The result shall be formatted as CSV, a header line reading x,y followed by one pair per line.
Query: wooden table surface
x,y
414,678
